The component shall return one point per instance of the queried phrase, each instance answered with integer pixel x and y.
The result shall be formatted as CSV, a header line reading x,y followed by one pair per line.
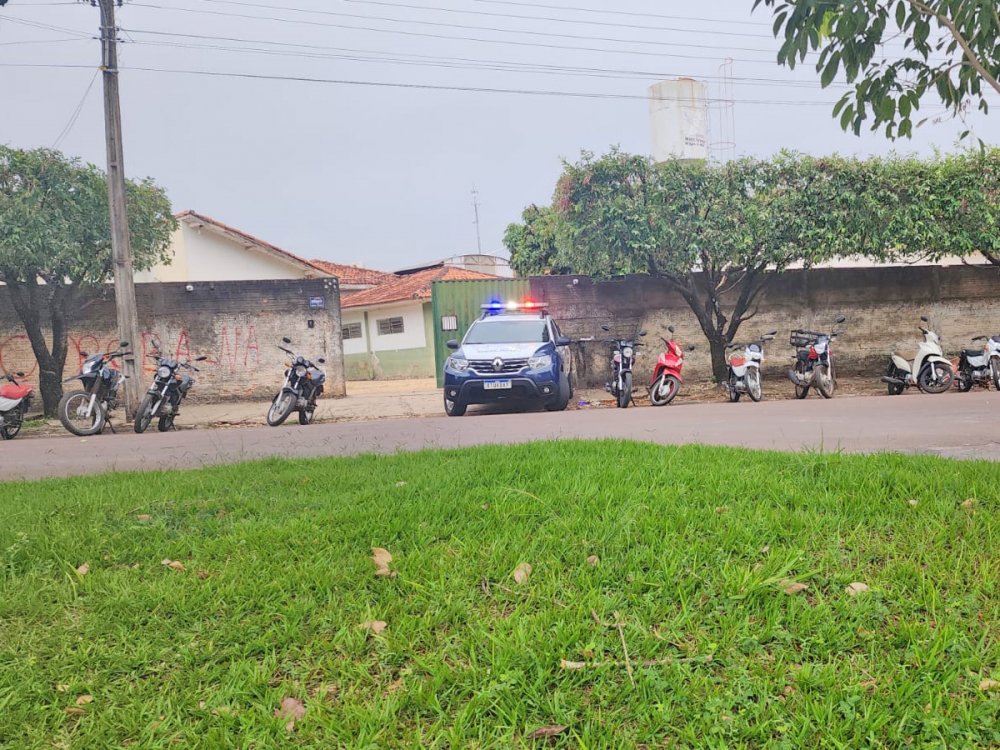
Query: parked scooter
x,y
930,371
623,354
303,385
744,371
85,412
15,400
813,362
666,383
163,400
979,366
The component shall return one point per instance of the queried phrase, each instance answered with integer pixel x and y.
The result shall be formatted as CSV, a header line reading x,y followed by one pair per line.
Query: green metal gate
x,y
457,304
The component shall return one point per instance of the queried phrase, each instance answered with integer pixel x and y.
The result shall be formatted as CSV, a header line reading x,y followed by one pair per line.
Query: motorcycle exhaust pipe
x,y
892,381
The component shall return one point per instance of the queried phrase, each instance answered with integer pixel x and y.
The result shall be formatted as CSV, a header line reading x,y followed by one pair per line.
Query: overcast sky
x,y
354,172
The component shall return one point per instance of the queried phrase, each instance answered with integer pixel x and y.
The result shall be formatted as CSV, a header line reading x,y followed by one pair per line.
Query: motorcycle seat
x,y
974,353
15,392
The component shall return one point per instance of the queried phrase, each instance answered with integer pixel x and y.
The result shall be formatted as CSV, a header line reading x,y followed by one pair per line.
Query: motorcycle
x,y
744,371
303,385
979,365
622,358
85,412
930,371
15,400
666,382
813,362
163,399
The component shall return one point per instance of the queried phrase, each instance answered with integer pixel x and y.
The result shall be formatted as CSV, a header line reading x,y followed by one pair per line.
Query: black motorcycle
x,y
85,412
303,385
813,361
163,399
623,353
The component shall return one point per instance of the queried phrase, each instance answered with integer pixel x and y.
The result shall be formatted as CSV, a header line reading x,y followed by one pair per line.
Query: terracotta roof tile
x,y
355,274
414,286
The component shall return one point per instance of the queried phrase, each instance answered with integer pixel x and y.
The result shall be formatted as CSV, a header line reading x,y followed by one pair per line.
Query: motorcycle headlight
x,y
627,351
540,362
163,372
300,371
457,364
89,367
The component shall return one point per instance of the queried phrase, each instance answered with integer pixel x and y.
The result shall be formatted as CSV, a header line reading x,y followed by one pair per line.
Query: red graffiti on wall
x,y
10,346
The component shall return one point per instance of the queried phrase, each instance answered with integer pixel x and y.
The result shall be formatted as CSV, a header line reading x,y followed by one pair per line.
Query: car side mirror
x,y
924,318
841,319
670,328
605,328
563,341
286,340
202,358
452,344
321,361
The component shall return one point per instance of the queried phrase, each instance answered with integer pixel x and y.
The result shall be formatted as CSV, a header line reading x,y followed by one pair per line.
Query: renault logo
x,y
498,365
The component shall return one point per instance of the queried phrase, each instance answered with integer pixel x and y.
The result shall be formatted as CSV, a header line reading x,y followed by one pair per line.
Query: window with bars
x,y
352,331
389,326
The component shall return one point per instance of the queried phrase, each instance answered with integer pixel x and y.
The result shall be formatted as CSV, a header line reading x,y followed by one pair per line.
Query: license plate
x,y
496,385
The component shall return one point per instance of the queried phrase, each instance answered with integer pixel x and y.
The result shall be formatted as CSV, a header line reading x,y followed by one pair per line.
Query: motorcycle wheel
x,y
801,391
963,381
936,378
826,385
71,408
145,413
625,394
9,430
734,395
664,390
165,424
754,388
893,388
995,372
306,416
281,408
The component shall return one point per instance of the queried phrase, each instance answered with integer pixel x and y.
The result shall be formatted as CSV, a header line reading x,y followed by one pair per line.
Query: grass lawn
x,y
699,552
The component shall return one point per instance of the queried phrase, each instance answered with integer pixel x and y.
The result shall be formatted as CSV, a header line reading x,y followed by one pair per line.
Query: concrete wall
x,y
401,355
883,307
237,325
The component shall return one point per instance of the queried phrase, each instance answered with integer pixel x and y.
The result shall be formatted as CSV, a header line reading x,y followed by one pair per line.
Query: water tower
x,y
678,119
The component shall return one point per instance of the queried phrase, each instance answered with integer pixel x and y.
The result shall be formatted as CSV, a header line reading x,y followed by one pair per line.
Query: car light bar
x,y
528,305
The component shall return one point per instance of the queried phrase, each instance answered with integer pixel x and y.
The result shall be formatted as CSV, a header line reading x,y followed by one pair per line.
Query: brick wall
x,y
236,324
883,307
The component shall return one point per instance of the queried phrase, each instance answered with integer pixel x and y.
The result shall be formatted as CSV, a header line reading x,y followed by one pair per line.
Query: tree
x,y
532,245
951,49
55,239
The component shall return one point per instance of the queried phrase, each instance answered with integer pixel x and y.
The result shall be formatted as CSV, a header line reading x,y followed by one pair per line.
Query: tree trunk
x,y
720,365
29,299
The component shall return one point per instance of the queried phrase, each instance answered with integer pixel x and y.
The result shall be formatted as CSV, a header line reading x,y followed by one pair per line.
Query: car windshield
x,y
508,332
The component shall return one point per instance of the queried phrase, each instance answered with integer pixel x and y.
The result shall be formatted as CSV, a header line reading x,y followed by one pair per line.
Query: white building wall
x,y
413,336
354,346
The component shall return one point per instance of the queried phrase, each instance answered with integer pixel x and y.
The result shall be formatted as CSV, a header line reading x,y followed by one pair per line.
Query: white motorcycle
x,y
744,371
15,400
929,371
979,366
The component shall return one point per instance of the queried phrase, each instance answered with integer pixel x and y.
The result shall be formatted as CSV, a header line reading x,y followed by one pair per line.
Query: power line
x,y
48,27
76,113
438,24
622,13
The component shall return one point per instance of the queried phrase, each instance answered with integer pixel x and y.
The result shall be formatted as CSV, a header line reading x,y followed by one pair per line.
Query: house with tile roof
x,y
388,330
355,277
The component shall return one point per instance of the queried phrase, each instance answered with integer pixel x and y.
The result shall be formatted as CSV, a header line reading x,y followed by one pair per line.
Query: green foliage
x,y
950,49
278,581
532,245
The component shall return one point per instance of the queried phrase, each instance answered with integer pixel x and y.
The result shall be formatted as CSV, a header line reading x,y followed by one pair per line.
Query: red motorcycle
x,y
15,400
666,383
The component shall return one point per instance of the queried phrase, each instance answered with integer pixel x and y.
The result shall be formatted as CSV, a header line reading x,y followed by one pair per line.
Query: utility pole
x,y
121,248
475,207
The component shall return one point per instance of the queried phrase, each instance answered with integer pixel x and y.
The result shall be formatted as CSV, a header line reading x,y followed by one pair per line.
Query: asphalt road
x,y
952,425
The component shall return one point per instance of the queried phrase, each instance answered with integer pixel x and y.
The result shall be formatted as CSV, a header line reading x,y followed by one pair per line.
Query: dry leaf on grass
x,y
400,484
970,504
913,503
572,664
544,732
75,711
203,574
382,558
83,569
83,700
62,688
375,626
144,517
175,564
792,587
593,561
521,573
202,704
291,709
989,685
765,549
721,508
856,588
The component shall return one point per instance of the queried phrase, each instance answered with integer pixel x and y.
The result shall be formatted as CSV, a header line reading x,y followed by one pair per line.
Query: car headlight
x,y
457,364
163,372
300,371
540,362
627,351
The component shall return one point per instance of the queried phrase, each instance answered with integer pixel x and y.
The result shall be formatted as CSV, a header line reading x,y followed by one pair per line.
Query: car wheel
x,y
454,408
561,400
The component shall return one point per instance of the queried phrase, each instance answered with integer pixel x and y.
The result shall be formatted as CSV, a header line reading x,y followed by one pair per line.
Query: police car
x,y
514,351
